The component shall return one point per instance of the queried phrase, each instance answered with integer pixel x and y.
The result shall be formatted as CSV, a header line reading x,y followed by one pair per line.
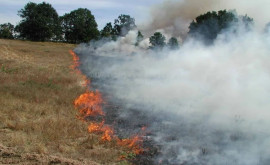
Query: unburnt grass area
x,y
38,121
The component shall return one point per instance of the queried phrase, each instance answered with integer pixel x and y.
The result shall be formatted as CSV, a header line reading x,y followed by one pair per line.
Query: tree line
x,y
41,22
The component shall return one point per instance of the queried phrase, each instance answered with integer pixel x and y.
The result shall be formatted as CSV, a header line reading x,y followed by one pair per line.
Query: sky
x,y
104,10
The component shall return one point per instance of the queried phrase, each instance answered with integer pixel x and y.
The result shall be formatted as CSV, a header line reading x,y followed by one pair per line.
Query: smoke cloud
x,y
205,105
174,16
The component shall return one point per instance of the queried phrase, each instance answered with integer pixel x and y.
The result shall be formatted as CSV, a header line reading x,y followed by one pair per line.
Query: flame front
x,y
76,62
90,104
95,127
75,67
133,143
108,133
101,128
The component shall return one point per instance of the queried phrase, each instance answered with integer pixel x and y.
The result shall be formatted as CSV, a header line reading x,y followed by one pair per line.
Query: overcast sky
x,y
103,10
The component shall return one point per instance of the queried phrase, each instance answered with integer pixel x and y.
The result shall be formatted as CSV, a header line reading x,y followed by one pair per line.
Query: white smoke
x,y
220,94
174,16
212,101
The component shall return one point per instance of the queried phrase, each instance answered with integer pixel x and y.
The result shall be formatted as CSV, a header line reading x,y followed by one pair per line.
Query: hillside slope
x,y
38,120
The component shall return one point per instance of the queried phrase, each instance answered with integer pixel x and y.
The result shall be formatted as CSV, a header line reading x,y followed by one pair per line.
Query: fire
x,y
133,143
75,67
86,82
108,133
76,62
90,104
95,127
101,128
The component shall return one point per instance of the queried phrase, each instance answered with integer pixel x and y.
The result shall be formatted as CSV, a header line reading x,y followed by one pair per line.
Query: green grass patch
x,y
7,70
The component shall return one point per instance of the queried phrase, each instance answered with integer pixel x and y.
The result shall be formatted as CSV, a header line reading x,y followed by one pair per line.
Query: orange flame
x,y
101,128
108,133
90,104
133,143
95,127
75,67
76,62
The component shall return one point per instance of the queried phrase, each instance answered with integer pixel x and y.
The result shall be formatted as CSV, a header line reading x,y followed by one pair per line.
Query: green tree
x,y
207,26
123,25
6,31
139,38
173,43
40,22
247,21
79,26
108,31
157,41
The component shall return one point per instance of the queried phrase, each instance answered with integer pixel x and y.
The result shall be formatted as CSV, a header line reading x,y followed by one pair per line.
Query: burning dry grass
x,y
37,89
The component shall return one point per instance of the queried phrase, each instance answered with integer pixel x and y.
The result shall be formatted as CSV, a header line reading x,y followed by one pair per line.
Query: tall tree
x,y
139,38
247,22
7,31
207,26
107,31
40,22
173,43
79,26
124,24
157,41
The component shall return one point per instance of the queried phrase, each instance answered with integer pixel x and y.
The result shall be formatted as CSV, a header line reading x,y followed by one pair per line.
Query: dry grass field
x,y
38,123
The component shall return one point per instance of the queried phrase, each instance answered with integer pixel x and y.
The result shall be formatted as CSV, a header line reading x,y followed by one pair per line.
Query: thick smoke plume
x,y
205,105
213,101
174,16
